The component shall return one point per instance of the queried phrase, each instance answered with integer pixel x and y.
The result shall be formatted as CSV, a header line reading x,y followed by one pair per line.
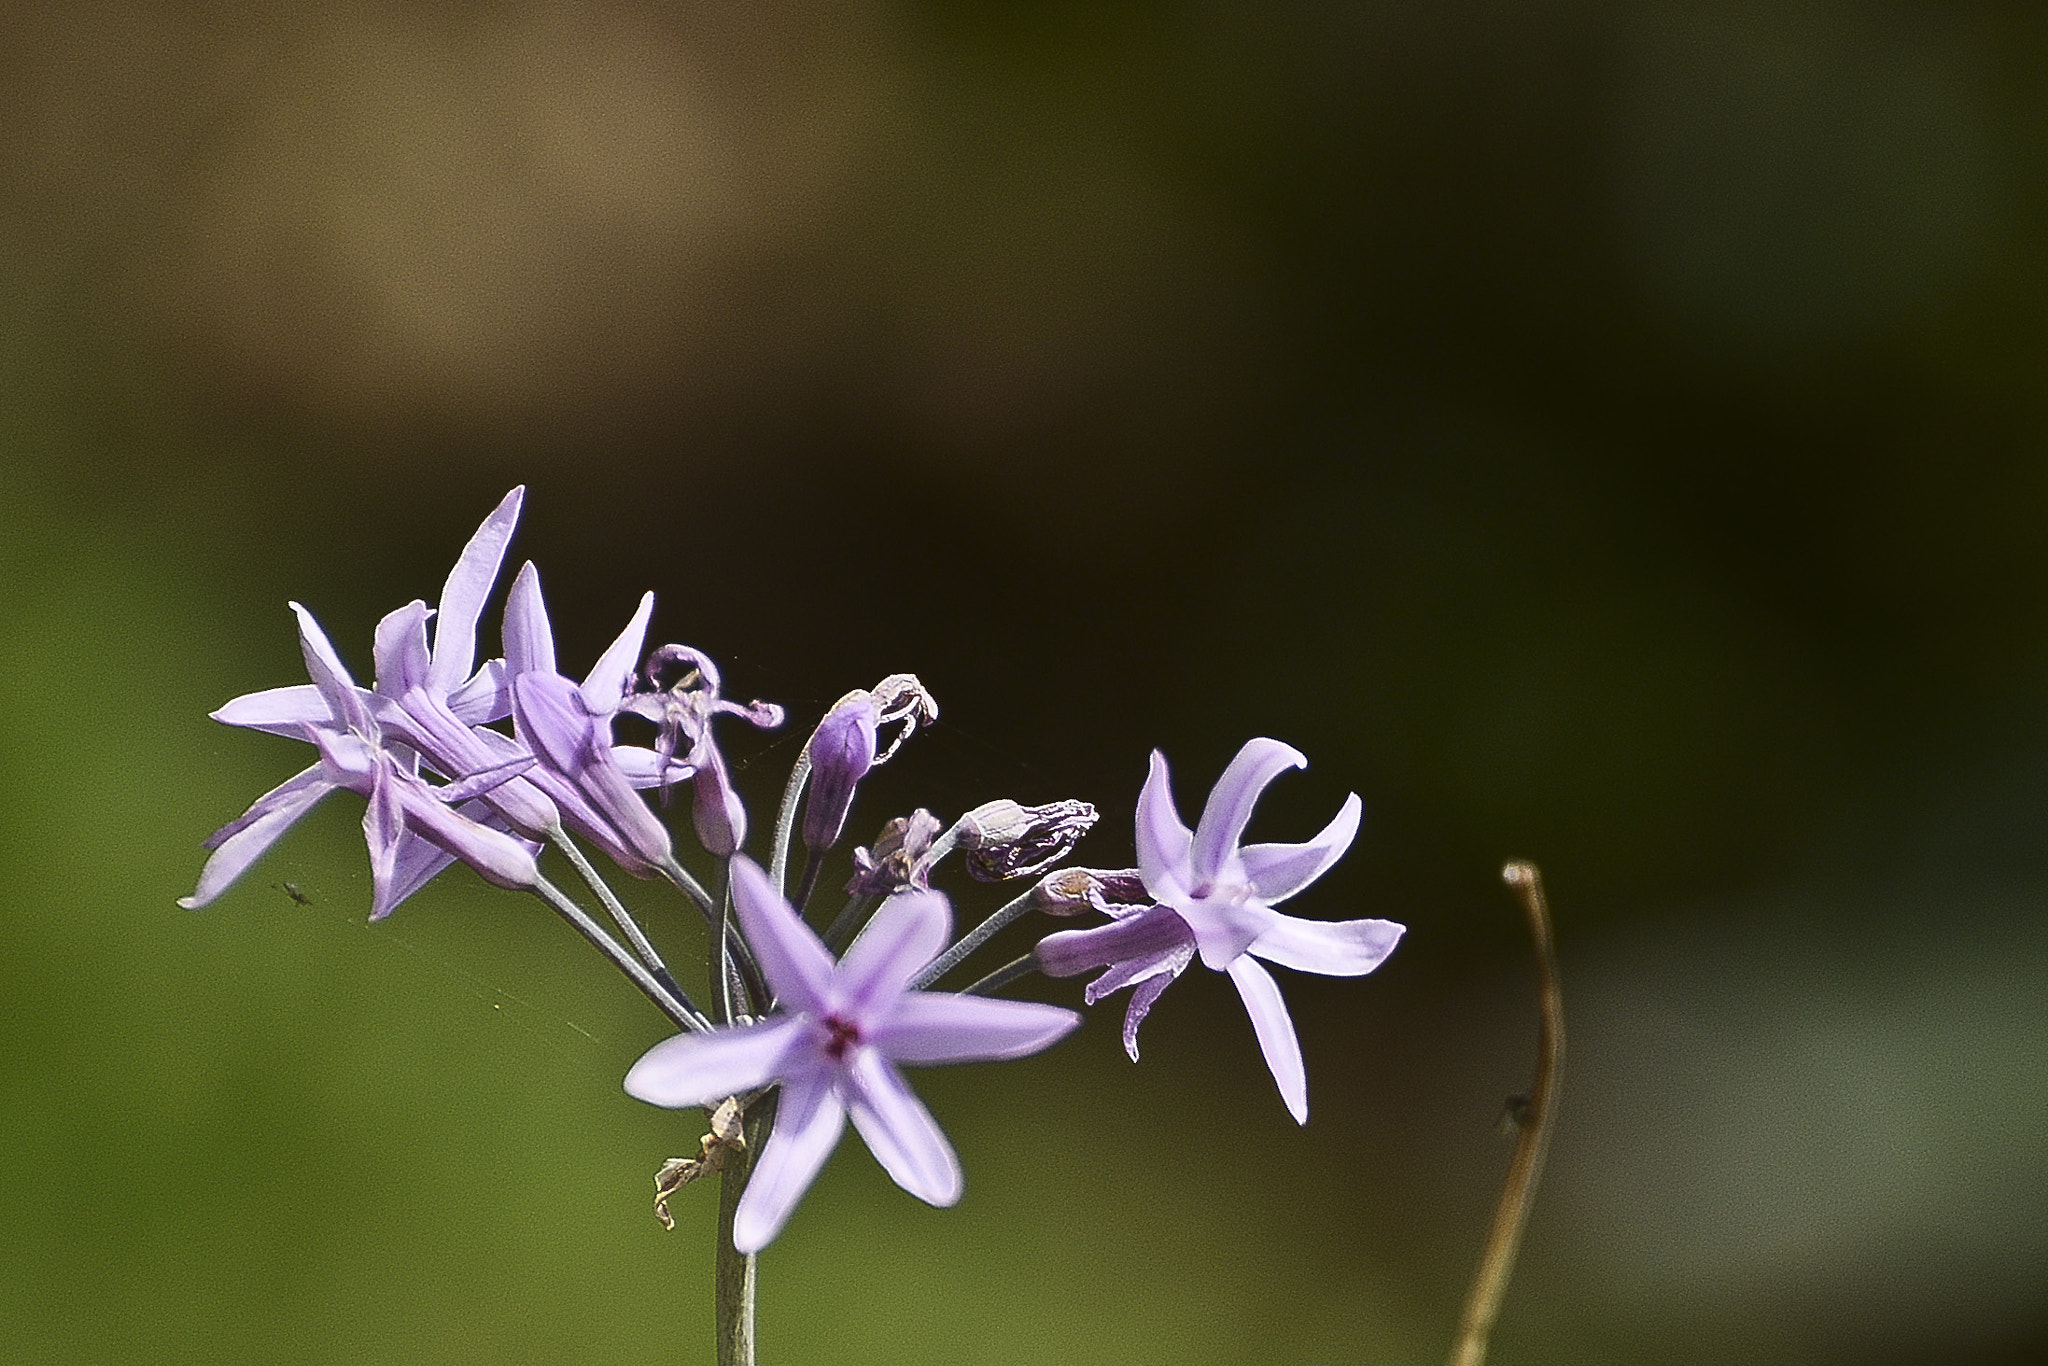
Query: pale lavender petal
x,y
1225,927
401,649
329,674
242,842
1278,871
1276,1033
529,636
1148,991
1167,962
485,698
485,780
716,812
1163,839
906,933
383,830
808,1121
703,1069
1070,953
1334,948
899,1131
496,856
346,759
792,957
291,793
280,711
419,862
462,596
645,768
611,678
938,1027
1232,799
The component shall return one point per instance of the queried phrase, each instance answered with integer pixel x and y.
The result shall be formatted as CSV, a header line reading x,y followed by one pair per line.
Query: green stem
x,y
734,1278
973,940
1518,1192
785,818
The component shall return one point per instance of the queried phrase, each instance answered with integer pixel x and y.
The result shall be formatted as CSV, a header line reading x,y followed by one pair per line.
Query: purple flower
x,y
1216,898
846,745
834,1045
411,832
684,711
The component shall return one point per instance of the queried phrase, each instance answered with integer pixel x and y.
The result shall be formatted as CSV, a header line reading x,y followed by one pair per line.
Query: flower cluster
x,y
499,764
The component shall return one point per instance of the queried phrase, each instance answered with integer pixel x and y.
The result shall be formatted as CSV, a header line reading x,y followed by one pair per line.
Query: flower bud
x,y
1070,891
842,750
897,858
1006,840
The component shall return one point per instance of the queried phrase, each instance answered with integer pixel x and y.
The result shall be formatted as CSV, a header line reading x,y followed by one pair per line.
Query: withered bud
x,y
896,860
1006,840
717,1147
1070,891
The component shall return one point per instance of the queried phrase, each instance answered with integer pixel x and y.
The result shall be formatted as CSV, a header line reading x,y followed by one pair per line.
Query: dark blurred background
x,y
1607,434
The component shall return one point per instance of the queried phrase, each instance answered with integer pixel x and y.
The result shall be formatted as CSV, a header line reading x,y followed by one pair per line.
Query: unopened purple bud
x,y
1006,840
716,812
897,858
842,750
1071,891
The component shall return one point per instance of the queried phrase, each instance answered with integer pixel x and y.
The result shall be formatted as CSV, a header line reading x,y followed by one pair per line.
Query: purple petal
x,y
346,759
241,842
1276,1033
485,780
907,932
716,812
939,1027
1232,799
288,793
280,711
703,1069
485,698
496,856
383,829
841,750
1070,953
611,678
419,862
1167,962
645,768
1148,991
792,957
899,1131
401,649
1334,948
462,596
808,1121
1163,840
328,673
1278,871
529,637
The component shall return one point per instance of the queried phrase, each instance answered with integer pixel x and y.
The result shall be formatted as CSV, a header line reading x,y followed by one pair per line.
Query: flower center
x,y
843,1034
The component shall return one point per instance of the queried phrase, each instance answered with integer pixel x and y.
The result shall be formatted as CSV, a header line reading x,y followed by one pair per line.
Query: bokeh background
x,y
1610,434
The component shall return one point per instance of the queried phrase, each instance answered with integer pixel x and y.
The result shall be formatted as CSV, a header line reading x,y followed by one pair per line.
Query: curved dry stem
x,y
1518,1192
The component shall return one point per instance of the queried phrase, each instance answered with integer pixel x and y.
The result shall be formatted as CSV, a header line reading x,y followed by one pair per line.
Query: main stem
x,y
734,1279
1518,1193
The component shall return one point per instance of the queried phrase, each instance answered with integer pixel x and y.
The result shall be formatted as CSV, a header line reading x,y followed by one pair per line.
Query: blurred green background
x,y
1608,434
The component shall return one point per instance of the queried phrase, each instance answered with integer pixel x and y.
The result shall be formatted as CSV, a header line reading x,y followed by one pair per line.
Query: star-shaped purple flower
x,y
1216,898
834,1044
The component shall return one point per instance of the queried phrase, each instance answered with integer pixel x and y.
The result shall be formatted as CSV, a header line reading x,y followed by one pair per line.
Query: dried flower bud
x,y
1005,840
897,859
846,744
1070,891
